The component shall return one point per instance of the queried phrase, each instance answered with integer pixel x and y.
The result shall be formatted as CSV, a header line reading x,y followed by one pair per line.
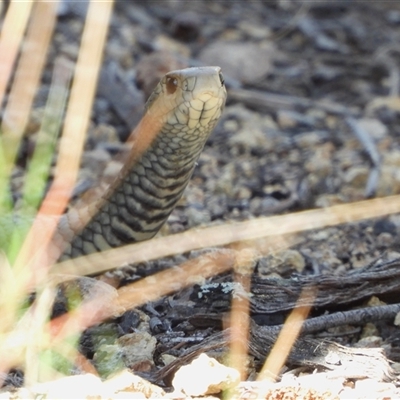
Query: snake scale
x,y
182,112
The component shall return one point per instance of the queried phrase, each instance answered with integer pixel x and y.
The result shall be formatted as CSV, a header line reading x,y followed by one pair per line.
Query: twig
x,y
352,317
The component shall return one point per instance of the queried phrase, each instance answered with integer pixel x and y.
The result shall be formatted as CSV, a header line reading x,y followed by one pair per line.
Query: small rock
x,y
70,387
108,359
127,382
167,359
95,161
138,349
253,31
357,176
392,158
287,259
370,341
290,119
204,376
397,320
294,259
197,216
389,181
320,163
112,169
375,128
396,367
384,226
237,59
248,139
104,133
384,239
371,389
393,16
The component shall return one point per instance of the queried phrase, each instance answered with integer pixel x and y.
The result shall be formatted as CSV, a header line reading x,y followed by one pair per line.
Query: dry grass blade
x,y
27,76
222,235
80,106
17,278
76,124
24,87
240,312
288,335
11,36
285,341
38,171
37,174
14,121
25,333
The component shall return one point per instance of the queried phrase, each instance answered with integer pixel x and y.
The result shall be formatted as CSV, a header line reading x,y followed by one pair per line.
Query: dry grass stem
x,y
75,126
19,277
38,170
12,32
239,321
14,287
288,335
79,107
27,77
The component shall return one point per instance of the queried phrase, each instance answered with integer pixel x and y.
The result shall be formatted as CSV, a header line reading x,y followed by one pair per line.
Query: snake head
x,y
190,97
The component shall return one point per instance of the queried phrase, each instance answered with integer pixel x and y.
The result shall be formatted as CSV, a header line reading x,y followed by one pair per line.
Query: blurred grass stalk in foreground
x,y
26,32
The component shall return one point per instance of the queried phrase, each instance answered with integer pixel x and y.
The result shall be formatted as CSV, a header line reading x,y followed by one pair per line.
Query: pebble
x,y
384,239
370,388
237,59
375,128
308,139
357,176
104,133
197,217
112,169
288,119
254,31
69,387
247,140
287,259
138,350
320,163
133,386
204,376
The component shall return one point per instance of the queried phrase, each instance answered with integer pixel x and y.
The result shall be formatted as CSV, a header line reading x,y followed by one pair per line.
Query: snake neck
x,y
143,196
180,115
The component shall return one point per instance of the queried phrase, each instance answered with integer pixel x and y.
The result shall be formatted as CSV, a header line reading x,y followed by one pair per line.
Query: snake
x,y
179,116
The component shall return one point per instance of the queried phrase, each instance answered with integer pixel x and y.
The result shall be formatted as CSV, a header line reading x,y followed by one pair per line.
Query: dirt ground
x,y
312,120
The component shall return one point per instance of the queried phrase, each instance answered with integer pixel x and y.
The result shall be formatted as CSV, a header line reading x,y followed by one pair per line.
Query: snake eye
x,y
221,79
171,84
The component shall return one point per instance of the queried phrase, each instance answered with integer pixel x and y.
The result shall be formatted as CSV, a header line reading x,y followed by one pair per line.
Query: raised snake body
x,y
180,115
